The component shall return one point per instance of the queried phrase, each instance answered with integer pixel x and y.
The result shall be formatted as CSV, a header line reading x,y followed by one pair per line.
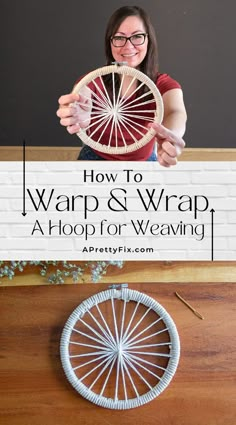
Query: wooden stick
x,y
189,306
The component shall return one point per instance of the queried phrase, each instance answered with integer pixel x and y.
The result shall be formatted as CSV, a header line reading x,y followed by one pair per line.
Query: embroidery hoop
x,y
119,112
112,340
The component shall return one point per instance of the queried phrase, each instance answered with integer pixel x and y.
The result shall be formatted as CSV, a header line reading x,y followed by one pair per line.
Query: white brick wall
x,y
214,180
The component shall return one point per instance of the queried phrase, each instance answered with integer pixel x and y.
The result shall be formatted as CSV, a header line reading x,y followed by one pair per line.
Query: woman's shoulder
x,y
165,82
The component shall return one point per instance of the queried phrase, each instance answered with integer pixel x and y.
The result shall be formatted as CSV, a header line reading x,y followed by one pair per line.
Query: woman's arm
x,y
175,115
169,134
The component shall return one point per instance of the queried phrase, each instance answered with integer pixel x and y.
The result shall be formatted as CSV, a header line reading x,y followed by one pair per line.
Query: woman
x,y
130,37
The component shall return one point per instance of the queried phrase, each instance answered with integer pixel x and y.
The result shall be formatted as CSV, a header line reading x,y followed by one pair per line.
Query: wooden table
x,y
33,387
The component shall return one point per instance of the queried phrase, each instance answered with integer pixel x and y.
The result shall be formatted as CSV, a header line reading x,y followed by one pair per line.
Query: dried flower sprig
x,y
57,271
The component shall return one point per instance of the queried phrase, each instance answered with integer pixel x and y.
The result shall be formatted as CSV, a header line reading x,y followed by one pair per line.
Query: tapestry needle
x,y
189,306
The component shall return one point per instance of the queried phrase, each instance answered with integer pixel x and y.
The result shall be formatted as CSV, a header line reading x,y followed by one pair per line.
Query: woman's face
x,y
129,53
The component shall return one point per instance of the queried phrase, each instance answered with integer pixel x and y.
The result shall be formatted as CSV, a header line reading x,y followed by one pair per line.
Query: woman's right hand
x,y
74,112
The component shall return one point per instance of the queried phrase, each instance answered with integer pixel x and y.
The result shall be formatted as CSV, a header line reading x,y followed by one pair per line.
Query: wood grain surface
x,y
59,153
34,390
143,271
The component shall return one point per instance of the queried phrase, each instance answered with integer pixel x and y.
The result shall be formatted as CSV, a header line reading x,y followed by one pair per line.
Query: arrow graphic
x,y
24,213
212,234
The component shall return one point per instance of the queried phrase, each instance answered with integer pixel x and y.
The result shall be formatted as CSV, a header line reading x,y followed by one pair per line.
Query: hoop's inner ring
x,y
116,109
131,354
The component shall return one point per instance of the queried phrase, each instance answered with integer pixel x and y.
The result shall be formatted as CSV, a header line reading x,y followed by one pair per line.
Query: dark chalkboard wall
x,y
46,45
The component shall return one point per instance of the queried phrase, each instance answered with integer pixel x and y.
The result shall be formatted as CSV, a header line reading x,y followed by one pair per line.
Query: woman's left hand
x,y
169,145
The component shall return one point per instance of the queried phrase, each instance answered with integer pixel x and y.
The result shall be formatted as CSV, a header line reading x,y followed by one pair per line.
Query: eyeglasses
x,y
121,40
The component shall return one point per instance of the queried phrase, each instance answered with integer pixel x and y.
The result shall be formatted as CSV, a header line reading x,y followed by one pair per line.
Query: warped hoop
x,y
119,113
132,347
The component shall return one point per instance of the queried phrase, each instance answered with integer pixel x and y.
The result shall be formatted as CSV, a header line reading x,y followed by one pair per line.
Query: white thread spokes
x,y
117,119
118,352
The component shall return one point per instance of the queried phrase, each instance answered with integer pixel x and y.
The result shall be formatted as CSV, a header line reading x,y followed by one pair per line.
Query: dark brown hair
x,y
149,65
